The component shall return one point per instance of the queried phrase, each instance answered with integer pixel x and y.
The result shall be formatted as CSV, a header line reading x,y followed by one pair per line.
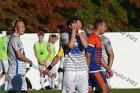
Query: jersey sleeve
x,y
91,44
107,44
16,43
60,52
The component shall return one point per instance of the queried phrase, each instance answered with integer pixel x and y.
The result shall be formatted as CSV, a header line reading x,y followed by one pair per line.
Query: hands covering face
x,y
77,25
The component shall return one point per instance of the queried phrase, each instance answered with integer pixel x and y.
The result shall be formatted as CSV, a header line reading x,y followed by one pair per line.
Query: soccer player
x,y
42,53
4,58
61,29
75,66
17,60
107,53
95,59
52,76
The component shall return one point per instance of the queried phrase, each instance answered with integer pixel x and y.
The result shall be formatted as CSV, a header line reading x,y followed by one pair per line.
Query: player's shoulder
x,y
92,37
14,38
103,37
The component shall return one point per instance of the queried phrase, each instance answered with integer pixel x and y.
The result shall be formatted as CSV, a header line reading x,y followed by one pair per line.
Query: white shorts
x,y
4,65
17,83
75,82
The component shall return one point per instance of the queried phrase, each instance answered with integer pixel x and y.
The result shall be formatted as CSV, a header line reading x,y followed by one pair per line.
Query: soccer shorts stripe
x,y
96,79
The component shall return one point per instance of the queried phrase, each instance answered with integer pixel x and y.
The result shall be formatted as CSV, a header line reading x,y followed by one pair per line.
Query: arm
x,y
108,72
83,40
88,58
36,55
55,60
111,57
72,39
109,50
104,64
22,57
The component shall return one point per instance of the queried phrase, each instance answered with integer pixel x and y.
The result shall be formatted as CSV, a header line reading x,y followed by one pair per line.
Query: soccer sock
x,y
6,85
50,81
42,82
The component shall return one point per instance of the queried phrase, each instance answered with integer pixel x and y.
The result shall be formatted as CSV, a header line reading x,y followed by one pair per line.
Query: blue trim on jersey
x,y
16,65
90,48
94,66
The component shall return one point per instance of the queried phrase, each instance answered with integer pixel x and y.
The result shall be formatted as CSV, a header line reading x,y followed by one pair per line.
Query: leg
x,y
69,83
6,66
100,81
41,76
82,82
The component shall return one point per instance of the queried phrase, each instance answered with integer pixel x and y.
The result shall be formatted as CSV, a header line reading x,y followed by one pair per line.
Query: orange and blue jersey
x,y
95,48
96,75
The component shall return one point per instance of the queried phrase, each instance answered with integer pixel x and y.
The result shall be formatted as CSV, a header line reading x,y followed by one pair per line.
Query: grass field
x,y
111,91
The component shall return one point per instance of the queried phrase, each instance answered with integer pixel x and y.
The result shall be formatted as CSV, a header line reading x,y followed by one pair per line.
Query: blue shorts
x,y
96,79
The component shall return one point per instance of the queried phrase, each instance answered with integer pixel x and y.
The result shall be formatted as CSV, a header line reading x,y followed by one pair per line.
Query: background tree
x,y
45,15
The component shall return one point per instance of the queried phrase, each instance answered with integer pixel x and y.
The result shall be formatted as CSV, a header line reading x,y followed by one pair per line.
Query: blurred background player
x,y
17,60
4,64
42,52
94,57
108,54
61,29
53,73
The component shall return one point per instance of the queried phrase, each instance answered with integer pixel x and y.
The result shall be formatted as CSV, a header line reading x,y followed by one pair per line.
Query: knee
x,y
89,89
105,88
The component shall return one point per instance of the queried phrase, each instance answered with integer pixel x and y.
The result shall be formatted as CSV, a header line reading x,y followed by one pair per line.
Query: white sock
x,y
6,85
42,82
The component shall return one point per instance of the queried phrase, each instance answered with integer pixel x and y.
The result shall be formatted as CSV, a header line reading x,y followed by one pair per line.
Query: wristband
x,y
80,31
49,67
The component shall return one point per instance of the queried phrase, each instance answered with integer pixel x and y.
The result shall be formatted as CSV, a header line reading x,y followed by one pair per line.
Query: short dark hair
x,y
72,20
52,35
61,28
40,33
97,22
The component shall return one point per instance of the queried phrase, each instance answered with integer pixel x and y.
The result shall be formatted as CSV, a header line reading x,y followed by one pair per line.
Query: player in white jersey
x,y
17,60
107,53
75,66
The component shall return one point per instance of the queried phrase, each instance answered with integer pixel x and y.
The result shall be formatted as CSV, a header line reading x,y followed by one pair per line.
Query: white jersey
x,y
16,66
106,46
74,59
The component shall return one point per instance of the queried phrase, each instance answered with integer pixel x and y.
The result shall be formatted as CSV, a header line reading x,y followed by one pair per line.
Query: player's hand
x,y
30,62
74,26
46,72
108,73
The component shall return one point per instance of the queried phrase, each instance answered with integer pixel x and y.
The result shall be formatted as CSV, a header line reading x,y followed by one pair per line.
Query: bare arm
x,y
72,40
55,60
22,57
111,57
88,58
104,64
83,40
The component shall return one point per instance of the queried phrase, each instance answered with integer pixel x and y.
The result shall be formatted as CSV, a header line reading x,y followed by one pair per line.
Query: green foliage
x,y
121,15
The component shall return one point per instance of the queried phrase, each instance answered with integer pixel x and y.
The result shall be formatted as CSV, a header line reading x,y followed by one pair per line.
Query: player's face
x,y
40,37
79,24
53,39
20,28
103,27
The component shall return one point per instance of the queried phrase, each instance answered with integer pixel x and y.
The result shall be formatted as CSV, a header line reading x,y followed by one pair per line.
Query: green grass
x,y
111,91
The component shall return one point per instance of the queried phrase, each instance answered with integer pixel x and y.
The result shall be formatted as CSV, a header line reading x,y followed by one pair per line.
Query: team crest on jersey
x,y
19,45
